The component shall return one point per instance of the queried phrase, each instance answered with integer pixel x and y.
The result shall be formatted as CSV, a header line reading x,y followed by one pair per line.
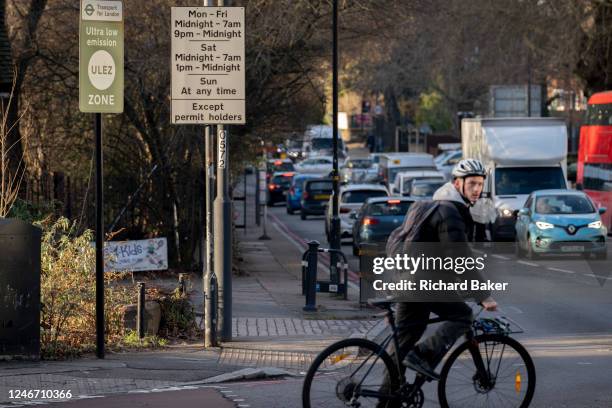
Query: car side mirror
x,y
524,211
602,210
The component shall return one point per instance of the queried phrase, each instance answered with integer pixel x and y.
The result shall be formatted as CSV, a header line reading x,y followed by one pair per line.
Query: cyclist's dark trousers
x,y
411,320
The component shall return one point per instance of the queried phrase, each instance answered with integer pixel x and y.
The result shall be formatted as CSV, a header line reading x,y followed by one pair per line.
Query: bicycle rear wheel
x,y
510,369
345,370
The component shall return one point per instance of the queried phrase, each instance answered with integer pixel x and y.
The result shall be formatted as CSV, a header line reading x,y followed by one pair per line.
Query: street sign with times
x,y
101,56
208,65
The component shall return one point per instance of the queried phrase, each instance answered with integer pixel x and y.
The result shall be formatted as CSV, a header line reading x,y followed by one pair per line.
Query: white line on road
x,y
584,363
528,263
559,270
500,257
598,277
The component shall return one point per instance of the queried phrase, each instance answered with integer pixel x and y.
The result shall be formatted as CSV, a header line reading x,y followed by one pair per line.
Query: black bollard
x,y
140,320
311,276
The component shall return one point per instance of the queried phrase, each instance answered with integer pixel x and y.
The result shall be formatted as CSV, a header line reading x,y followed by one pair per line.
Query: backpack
x,y
409,231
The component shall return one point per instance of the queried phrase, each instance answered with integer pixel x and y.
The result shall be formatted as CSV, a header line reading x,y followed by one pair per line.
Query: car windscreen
x,y
282,166
359,196
388,208
425,189
525,180
320,186
360,164
393,171
284,181
319,144
563,204
599,115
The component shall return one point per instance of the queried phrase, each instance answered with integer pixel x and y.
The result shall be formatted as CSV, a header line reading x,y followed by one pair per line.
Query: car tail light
x,y
393,201
344,210
273,186
370,221
288,174
305,195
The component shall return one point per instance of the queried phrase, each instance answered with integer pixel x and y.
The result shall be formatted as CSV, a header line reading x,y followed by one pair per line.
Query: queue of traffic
x,y
529,198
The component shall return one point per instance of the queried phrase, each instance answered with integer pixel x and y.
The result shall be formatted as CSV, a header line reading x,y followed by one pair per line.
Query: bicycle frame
x,y
485,325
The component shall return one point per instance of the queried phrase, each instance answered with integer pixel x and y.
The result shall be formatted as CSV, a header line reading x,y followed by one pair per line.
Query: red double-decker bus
x,y
594,171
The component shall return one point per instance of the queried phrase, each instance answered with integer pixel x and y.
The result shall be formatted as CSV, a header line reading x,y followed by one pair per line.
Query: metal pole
x,y
210,338
140,311
223,238
335,221
99,239
257,203
244,204
264,235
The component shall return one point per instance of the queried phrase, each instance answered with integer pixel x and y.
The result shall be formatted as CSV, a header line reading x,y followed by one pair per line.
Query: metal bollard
x,y
140,311
257,203
311,277
212,302
183,284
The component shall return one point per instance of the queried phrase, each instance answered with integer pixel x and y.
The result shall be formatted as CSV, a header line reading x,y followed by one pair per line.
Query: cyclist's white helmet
x,y
469,167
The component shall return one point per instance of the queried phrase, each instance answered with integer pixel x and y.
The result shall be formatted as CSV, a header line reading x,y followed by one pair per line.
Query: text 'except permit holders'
x,y
211,111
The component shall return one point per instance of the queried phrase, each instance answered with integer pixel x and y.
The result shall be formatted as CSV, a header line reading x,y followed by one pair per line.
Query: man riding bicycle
x,y
447,223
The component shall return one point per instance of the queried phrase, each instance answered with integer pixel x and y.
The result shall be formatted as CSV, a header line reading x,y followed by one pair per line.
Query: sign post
x,y
100,91
208,87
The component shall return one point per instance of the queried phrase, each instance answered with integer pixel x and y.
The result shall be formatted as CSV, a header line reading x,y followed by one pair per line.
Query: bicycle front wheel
x,y
510,371
349,373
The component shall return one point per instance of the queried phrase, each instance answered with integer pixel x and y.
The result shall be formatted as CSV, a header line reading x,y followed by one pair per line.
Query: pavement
x,y
271,337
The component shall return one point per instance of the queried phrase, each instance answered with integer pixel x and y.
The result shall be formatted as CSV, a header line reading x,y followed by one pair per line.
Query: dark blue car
x,y
294,195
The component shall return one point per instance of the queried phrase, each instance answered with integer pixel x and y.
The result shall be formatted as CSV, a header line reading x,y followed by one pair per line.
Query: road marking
x,y
559,270
584,363
528,263
500,257
595,276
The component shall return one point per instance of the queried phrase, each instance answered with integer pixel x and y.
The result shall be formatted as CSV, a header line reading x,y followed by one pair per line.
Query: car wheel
x,y
290,211
270,203
355,250
302,215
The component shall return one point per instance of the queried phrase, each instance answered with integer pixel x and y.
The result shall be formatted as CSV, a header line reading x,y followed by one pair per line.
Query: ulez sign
x,y
101,56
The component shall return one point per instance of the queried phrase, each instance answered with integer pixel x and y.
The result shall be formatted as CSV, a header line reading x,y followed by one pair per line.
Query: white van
x,y
391,164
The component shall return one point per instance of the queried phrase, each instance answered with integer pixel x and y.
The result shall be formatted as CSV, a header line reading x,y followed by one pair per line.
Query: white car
x,y
358,170
317,164
352,197
403,180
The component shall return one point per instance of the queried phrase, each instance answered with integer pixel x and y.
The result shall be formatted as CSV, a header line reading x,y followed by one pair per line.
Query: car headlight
x,y
595,224
505,212
544,225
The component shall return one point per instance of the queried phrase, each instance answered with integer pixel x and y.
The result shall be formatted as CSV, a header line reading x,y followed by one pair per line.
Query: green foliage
x,y
178,316
431,110
131,340
68,293
30,212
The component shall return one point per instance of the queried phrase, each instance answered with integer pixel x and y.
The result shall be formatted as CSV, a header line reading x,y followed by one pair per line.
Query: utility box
x,y
19,290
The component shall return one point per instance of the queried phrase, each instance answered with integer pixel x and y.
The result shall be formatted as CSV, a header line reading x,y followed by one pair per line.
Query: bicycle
x,y
333,381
